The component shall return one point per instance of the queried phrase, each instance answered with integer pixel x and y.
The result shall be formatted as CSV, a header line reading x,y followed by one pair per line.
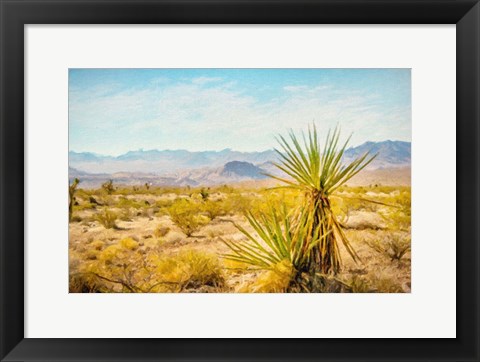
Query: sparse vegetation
x,y
108,187
394,246
158,245
107,218
122,267
302,233
186,215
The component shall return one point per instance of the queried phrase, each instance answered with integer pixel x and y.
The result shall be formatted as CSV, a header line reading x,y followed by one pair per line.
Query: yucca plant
x,y
71,197
310,237
283,237
318,174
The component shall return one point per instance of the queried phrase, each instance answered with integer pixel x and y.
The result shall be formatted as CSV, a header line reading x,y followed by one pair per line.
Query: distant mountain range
x,y
389,153
183,167
163,162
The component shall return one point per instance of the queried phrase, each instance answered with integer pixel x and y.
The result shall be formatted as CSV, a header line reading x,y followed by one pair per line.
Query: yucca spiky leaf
x,y
319,173
308,236
278,240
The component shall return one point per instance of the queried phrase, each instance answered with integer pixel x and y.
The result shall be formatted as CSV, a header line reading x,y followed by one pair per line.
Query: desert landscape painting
x,y
239,181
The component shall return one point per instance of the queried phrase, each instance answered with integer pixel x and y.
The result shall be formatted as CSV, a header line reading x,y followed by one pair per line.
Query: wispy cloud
x,y
305,88
216,113
205,80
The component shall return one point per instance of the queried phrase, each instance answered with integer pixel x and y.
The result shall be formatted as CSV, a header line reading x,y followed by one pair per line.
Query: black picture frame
x,y
15,14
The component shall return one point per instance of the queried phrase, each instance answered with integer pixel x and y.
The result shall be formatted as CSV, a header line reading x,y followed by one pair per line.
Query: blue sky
x,y
112,111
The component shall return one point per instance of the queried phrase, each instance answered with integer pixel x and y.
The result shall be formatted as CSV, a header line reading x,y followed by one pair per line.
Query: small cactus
x,y
108,187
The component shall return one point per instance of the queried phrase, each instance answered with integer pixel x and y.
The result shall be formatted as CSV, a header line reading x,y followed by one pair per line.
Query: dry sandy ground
x,y
208,239
361,225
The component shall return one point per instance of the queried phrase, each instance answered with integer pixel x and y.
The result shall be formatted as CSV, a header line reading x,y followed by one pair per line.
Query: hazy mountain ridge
x,y
389,153
181,167
163,162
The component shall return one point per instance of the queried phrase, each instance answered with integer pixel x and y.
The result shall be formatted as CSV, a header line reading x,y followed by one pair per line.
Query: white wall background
x,y
429,311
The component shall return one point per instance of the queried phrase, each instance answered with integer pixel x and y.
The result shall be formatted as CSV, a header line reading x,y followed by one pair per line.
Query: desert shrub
x,y
129,243
237,204
112,252
107,218
192,270
398,219
204,194
119,268
126,215
394,246
122,267
214,209
187,215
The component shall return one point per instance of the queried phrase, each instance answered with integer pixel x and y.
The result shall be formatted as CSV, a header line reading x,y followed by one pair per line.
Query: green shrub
x,y
187,216
122,267
214,209
394,247
204,193
107,218
197,269
237,204
129,243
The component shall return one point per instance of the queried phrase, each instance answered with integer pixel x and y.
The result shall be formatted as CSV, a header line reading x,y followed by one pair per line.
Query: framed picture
x,y
239,180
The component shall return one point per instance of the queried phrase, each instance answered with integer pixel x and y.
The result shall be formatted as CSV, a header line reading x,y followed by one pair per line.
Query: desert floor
x,y
158,239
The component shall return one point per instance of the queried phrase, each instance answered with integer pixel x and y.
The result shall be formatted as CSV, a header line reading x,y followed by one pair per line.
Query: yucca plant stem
x,y
308,236
318,174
